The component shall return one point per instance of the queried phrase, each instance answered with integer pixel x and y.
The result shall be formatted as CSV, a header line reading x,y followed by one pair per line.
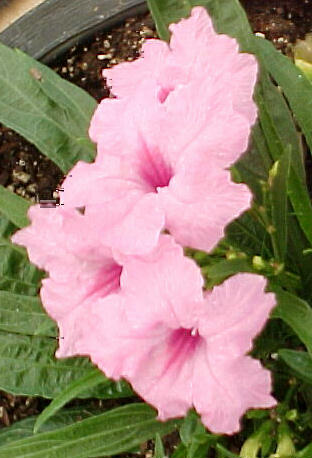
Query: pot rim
x,y
74,23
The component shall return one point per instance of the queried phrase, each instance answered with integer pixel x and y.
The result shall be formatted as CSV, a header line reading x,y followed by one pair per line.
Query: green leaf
x,y
300,362
165,12
279,202
195,437
296,87
24,428
296,313
16,273
253,167
277,124
306,452
28,367
249,236
14,207
225,453
159,448
301,202
24,315
113,432
47,110
90,380
219,271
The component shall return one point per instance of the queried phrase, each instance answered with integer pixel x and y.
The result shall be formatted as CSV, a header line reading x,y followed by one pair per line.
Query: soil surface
x,y
28,173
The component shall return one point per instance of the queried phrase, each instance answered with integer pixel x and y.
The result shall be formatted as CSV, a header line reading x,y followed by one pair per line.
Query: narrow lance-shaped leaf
x,y
300,362
296,313
90,380
247,234
296,87
278,125
24,428
47,110
279,205
165,12
159,448
273,114
113,432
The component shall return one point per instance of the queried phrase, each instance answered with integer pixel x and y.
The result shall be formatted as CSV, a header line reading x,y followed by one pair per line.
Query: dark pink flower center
x,y
163,93
182,344
154,170
107,280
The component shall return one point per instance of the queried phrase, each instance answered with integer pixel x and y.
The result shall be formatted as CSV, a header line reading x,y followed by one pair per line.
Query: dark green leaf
x,y
195,437
24,428
299,361
48,111
113,432
249,236
159,448
16,273
279,187
28,367
219,271
165,12
296,87
277,124
14,207
253,167
90,380
306,452
301,202
297,314
224,453
24,315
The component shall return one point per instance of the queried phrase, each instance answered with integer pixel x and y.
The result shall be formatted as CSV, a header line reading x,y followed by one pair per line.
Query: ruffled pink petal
x,y
44,237
243,79
113,345
164,376
155,359
193,125
200,201
127,77
79,268
118,124
135,232
164,286
238,310
72,330
224,389
123,215
216,56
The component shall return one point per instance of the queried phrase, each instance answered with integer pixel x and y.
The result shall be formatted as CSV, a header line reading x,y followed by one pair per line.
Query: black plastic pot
x,y
51,28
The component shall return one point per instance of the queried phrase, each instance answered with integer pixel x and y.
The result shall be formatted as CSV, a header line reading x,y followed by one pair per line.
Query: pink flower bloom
x,y
80,269
157,173
162,153
177,348
195,52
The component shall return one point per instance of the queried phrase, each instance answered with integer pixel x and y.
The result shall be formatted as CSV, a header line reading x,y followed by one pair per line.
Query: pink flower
x,y
195,52
157,173
80,269
178,348
162,153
